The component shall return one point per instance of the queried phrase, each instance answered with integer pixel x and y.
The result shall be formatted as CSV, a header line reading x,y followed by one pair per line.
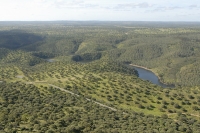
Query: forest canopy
x,y
76,77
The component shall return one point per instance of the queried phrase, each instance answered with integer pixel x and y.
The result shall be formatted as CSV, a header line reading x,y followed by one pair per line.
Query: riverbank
x,y
143,68
156,74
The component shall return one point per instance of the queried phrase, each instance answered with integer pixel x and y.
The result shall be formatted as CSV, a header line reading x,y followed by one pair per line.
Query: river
x,y
150,76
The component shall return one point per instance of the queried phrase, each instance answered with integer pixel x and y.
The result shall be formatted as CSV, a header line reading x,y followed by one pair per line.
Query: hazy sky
x,y
111,10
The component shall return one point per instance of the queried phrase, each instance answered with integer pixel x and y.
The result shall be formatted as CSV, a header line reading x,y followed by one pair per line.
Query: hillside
x,y
172,53
87,85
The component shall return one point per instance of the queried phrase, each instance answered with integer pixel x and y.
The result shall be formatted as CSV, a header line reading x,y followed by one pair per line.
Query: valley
x,y
75,77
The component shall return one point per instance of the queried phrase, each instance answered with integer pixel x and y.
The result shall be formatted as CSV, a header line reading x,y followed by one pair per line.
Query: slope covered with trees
x,y
88,86
172,53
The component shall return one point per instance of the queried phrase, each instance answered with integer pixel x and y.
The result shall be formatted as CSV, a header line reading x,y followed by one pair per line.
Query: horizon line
x,y
93,21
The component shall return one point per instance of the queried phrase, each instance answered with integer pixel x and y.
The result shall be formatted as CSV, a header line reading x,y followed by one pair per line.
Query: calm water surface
x,y
50,60
148,75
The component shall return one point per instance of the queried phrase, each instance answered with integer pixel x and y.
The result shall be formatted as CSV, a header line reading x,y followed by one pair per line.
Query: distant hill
x,y
171,51
16,39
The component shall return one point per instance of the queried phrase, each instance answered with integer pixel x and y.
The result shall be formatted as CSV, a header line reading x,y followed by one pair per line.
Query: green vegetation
x,y
172,53
90,60
28,108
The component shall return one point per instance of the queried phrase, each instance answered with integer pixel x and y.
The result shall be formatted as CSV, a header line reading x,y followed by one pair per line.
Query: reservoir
x,y
150,76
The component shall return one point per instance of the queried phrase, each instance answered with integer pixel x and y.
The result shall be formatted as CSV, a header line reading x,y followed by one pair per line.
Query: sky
x,y
100,10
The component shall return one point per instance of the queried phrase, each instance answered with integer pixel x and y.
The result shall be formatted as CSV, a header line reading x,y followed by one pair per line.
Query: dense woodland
x,y
74,77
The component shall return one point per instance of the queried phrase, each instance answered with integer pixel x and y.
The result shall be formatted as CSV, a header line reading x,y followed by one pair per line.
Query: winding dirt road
x,y
100,104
